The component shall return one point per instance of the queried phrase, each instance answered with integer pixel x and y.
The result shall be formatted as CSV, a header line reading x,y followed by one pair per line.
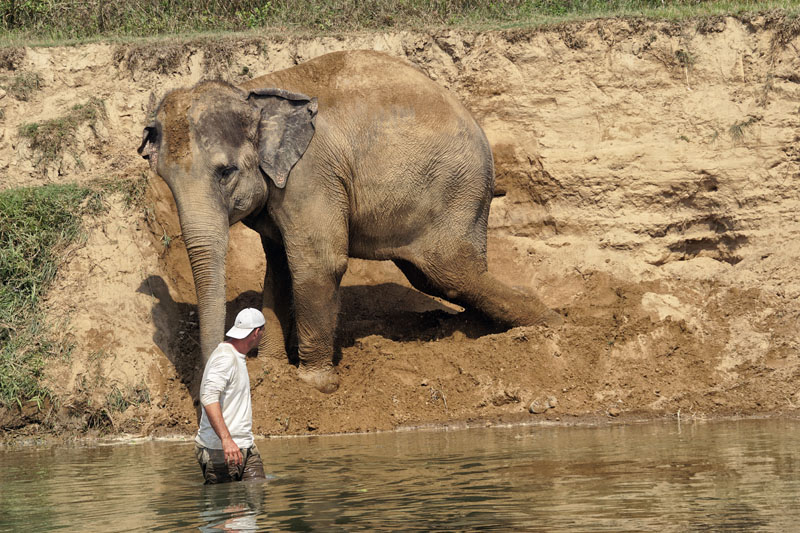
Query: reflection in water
x,y
232,506
735,476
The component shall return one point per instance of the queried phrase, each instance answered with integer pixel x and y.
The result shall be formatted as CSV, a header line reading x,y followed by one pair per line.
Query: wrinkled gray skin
x,y
352,154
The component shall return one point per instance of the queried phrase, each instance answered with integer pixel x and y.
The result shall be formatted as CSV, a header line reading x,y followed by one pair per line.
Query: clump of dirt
x,y
216,58
11,57
164,58
645,188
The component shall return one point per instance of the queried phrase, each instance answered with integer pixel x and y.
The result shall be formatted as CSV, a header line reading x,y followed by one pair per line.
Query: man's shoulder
x,y
223,354
223,347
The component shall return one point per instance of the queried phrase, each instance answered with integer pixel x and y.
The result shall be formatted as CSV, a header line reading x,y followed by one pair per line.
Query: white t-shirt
x,y
225,380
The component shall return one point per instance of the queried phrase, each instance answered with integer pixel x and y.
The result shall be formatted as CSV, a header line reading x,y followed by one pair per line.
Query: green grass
x,y
50,138
66,20
36,224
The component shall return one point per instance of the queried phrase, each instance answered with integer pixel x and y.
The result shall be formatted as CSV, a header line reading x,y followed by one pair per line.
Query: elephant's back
x,y
349,81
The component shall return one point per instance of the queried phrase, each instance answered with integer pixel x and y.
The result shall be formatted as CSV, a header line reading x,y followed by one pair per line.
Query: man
x,y
225,447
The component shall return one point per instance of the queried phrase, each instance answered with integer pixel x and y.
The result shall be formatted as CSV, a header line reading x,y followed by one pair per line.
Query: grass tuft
x,y
36,224
133,395
50,138
116,400
738,129
21,86
133,190
685,59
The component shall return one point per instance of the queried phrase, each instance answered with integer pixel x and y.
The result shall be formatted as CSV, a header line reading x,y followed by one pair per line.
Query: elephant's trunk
x,y
206,238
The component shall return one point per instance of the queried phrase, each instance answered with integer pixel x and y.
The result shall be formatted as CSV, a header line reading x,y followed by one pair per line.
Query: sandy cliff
x,y
646,187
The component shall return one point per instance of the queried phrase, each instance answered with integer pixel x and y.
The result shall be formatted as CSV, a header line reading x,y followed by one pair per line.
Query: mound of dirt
x,y
645,188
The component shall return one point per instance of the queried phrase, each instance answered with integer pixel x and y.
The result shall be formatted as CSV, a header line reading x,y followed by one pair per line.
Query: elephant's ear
x,y
285,129
149,147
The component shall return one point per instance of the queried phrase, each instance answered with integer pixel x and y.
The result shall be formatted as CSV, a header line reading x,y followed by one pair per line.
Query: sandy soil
x,y
645,188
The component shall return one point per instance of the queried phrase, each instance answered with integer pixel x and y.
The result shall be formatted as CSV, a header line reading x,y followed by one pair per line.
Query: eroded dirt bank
x,y
647,187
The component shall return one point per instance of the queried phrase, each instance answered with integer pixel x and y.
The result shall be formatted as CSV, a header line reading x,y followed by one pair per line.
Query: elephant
x,y
352,154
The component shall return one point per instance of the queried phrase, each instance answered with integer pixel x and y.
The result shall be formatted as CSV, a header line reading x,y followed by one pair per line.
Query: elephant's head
x,y
216,146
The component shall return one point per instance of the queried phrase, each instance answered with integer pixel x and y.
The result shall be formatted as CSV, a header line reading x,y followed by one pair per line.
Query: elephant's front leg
x,y
316,275
277,302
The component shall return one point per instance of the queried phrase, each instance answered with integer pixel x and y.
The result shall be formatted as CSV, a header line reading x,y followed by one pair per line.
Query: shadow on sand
x,y
387,309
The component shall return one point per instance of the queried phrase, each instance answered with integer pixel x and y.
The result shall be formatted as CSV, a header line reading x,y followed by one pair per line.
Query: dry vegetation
x,y
23,20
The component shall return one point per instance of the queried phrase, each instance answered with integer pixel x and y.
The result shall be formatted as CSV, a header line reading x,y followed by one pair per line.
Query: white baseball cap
x,y
246,321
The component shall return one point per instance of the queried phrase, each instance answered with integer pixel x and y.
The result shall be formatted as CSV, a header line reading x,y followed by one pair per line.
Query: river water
x,y
701,476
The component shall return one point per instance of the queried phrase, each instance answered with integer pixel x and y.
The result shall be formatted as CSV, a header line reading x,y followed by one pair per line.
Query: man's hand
x,y
233,455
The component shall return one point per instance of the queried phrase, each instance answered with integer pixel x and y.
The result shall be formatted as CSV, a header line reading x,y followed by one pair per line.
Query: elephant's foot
x,y
530,311
324,380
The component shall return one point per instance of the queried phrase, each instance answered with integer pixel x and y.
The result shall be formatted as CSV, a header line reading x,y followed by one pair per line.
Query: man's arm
x,y
231,450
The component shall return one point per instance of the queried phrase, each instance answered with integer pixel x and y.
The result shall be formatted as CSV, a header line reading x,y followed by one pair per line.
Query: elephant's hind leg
x,y
418,279
459,274
505,304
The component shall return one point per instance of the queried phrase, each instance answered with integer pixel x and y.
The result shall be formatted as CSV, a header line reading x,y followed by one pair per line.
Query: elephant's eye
x,y
225,172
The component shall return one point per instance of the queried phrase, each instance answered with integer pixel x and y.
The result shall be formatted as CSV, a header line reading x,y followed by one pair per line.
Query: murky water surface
x,y
720,476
